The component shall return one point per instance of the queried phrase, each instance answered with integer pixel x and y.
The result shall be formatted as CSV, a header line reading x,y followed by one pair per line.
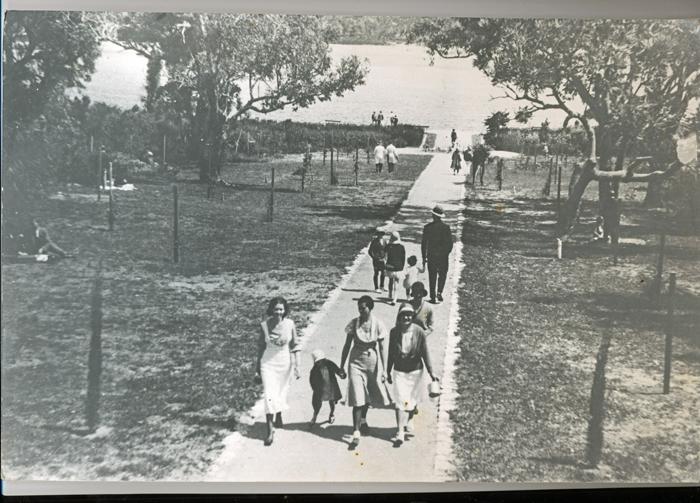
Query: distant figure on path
x,y
395,262
43,243
436,246
324,385
423,316
380,119
278,354
379,154
408,354
374,118
456,161
453,137
364,343
377,250
391,157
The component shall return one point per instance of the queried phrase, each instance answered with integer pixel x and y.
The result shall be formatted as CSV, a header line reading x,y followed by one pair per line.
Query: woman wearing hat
x,y
408,354
278,350
365,335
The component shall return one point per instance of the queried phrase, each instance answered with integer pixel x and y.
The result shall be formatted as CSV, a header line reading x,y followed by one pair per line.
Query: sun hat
x,y
395,236
406,308
318,354
438,211
418,286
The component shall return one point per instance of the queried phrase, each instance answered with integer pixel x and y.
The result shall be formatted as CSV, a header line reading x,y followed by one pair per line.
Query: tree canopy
x,y
43,51
221,67
624,80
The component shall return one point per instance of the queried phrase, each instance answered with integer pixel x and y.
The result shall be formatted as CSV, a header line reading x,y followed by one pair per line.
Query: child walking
x,y
324,385
411,274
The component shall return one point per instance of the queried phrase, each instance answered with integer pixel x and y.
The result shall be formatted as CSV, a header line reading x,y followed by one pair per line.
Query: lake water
x,y
447,94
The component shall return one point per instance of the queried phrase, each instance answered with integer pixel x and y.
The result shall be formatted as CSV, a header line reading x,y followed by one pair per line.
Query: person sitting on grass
x,y
324,385
43,245
599,230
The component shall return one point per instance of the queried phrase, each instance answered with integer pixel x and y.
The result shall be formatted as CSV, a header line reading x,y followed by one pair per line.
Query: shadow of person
x,y
340,433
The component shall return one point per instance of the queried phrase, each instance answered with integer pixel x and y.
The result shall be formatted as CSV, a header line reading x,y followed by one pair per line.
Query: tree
x,y
42,52
495,126
221,67
619,78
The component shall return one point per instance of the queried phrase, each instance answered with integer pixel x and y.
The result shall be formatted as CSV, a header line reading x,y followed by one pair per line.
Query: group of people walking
x,y
385,368
388,154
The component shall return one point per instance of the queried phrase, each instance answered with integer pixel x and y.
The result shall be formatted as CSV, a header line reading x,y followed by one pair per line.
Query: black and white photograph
x,y
267,247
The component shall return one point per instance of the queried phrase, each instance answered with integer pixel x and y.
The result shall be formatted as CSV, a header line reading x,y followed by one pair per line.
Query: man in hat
x,y
436,246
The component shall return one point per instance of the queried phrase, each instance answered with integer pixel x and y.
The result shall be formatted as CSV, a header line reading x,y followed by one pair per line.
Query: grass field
x,y
537,333
178,339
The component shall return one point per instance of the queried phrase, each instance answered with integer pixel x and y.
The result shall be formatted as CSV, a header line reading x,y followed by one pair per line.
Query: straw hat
x,y
438,211
318,354
395,236
406,308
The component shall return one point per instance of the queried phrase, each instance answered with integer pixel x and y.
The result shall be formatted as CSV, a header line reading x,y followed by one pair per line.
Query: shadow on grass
x,y
558,460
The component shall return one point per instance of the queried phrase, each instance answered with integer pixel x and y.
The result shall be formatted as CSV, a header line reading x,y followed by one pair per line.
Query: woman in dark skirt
x,y
324,385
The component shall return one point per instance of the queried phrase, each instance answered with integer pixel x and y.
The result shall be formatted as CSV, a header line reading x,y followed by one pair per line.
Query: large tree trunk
x,y
653,198
209,130
569,211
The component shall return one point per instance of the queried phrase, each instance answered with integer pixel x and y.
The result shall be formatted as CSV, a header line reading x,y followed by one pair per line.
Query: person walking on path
x,y
324,385
364,343
395,262
374,118
392,157
408,354
456,161
436,246
423,316
411,274
278,354
379,153
377,250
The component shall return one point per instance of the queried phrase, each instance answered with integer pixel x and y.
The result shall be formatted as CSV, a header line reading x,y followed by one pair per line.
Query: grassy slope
x,y
531,330
178,340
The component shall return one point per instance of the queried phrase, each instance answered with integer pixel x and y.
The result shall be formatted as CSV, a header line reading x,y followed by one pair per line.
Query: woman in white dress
x,y
278,357
408,354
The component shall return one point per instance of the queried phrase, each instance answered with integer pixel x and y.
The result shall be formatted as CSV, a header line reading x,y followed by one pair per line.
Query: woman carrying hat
x,y
365,335
408,354
278,351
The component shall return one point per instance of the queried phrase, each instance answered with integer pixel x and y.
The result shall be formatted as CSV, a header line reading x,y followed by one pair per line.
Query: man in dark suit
x,y
436,246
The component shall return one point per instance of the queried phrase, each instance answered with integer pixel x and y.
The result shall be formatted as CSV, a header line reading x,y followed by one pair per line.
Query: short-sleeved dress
x,y
276,363
406,353
424,317
364,387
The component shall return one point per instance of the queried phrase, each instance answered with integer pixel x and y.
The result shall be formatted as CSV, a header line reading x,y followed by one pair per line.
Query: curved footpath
x,y
322,455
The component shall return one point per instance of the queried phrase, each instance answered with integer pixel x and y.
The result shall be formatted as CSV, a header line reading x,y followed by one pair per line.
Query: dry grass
x,y
178,340
531,331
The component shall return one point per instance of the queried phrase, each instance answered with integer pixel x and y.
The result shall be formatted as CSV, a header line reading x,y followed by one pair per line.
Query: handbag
x,y
434,389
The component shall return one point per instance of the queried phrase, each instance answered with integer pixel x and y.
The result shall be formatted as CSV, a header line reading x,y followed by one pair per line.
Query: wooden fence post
x,y
668,346
176,238
110,217
92,397
658,279
356,167
558,170
164,145
271,210
99,173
